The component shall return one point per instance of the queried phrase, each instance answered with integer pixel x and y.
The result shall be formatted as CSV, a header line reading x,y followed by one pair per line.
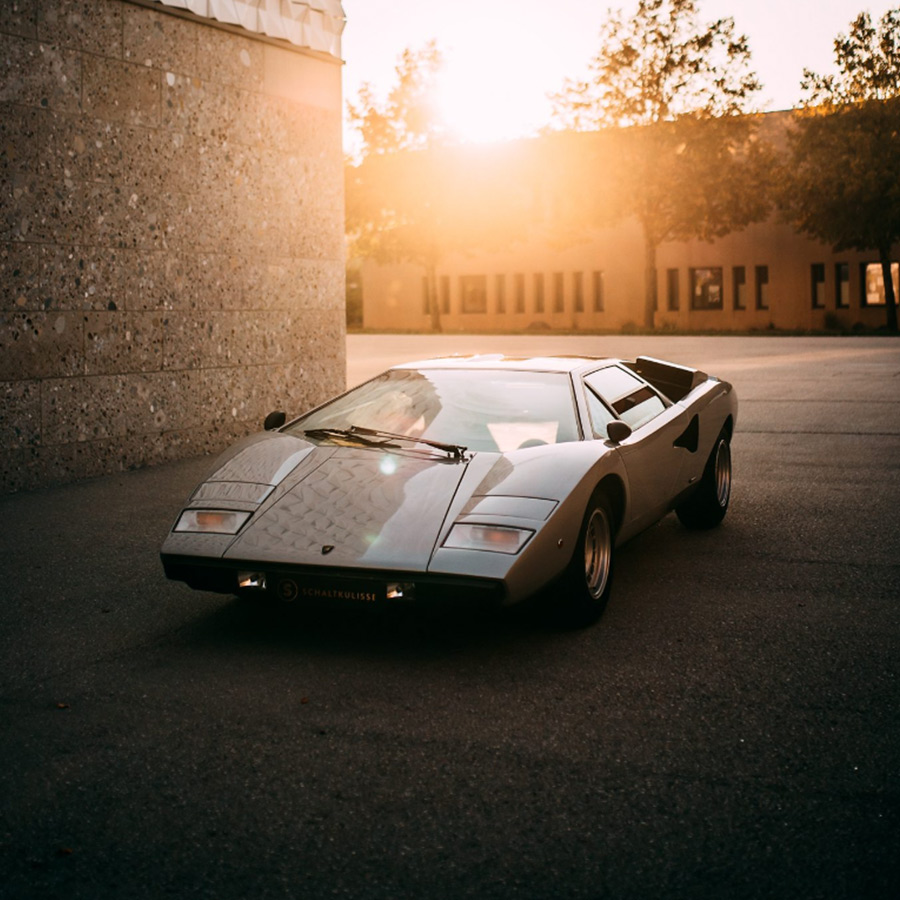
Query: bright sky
x,y
504,56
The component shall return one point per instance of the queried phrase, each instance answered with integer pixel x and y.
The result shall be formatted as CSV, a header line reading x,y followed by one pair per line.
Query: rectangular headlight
x,y
499,538
211,521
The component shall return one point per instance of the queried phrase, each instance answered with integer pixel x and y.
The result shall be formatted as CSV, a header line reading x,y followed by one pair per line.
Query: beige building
x,y
766,276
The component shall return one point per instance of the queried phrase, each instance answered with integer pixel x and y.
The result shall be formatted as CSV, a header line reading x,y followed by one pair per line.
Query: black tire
x,y
707,506
583,591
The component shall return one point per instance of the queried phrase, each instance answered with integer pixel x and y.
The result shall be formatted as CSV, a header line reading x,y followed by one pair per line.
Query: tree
x,y
415,197
408,118
387,220
680,91
842,181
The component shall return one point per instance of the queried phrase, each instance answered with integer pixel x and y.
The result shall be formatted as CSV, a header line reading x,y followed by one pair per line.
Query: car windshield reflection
x,y
480,409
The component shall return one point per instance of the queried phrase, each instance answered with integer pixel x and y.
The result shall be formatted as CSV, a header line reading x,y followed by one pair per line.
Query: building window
x,y
817,277
706,288
473,293
578,291
519,287
599,292
762,287
539,292
426,306
672,289
445,294
559,295
842,285
739,282
500,286
872,278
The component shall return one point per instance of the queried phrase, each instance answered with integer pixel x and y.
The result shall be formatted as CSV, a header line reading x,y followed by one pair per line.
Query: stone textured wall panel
x,y
19,17
20,428
43,344
106,406
20,277
41,75
117,91
159,41
171,236
149,160
226,59
21,141
117,342
38,211
88,25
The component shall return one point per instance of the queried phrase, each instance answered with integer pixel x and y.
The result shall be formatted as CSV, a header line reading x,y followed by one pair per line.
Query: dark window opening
x,y
519,289
500,286
539,292
706,288
473,293
578,291
599,292
842,285
817,279
739,286
559,297
672,289
762,287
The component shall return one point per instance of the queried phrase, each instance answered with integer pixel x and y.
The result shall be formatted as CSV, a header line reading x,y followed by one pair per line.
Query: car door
x,y
651,455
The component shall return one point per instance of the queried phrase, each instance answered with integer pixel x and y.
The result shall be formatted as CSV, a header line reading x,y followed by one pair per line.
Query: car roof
x,y
517,363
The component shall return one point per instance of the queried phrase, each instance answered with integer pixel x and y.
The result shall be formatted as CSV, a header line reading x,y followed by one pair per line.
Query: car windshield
x,y
494,410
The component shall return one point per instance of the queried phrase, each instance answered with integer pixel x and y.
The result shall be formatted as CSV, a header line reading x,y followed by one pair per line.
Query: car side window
x,y
633,401
600,414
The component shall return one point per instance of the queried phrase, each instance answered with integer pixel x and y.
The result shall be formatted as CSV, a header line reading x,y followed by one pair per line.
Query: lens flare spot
x,y
388,465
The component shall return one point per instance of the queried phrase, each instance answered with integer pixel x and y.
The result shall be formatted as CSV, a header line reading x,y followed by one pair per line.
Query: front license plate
x,y
291,589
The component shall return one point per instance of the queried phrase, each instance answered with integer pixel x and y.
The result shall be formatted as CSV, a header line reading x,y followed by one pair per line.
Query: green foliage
x,y
694,167
694,177
657,65
408,118
868,60
841,183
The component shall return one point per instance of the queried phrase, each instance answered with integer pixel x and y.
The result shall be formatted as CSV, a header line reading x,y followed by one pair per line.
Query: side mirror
x,y
274,420
617,431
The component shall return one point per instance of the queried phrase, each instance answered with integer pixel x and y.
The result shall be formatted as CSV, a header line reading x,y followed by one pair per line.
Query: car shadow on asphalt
x,y
403,633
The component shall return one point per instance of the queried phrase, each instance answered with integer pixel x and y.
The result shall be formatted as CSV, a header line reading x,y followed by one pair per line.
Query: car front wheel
x,y
583,591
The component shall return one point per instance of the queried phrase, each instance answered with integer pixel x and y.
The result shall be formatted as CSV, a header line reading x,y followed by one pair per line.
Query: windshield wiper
x,y
347,434
457,451
364,436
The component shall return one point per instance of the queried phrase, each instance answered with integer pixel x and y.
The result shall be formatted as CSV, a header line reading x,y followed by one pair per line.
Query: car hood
x,y
353,507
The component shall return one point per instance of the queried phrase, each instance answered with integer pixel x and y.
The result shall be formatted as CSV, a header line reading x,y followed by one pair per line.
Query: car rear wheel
x,y
707,506
583,591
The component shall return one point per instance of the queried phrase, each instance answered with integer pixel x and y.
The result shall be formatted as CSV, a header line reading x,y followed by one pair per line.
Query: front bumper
x,y
307,585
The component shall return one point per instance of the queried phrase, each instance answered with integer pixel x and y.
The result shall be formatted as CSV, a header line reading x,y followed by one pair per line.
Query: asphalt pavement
x,y
730,728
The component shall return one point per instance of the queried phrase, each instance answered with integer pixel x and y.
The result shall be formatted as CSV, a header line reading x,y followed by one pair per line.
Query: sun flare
x,y
481,103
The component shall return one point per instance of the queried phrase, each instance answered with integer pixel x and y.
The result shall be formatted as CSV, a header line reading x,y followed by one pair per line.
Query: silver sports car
x,y
482,477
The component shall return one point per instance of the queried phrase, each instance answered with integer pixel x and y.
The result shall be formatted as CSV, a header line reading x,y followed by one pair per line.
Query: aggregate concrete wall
x,y
171,236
